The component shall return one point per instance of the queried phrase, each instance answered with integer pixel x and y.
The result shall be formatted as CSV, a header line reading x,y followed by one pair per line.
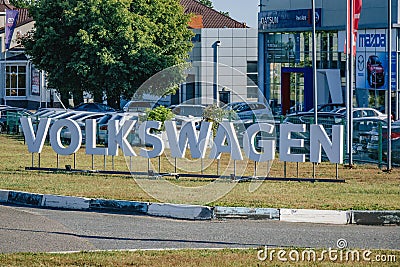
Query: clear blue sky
x,y
240,10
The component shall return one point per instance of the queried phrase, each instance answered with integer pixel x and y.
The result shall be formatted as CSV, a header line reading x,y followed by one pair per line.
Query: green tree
x,y
160,114
226,13
106,47
207,3
23,3
215,114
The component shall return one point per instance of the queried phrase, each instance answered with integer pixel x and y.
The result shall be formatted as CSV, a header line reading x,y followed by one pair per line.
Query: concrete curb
x,y
118,206
65,202
187,212
376,217
246,213
315,216
197,212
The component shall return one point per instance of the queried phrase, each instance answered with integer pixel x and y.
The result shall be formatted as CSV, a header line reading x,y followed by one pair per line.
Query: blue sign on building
x,y
278,19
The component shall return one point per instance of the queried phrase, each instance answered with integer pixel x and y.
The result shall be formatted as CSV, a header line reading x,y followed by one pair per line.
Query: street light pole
x,y
216,83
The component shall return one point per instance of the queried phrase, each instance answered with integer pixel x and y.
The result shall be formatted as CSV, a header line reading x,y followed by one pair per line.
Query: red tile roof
x,y
23,16
203,16
211,17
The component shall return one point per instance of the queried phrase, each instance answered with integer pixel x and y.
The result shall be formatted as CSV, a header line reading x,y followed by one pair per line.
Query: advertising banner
x,y
11,22
278,19
35,82
372,61
283,48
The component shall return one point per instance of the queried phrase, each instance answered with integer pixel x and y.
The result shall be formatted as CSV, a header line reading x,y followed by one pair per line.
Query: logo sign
x,y
360,62
300,18
372,40
373,60
225,141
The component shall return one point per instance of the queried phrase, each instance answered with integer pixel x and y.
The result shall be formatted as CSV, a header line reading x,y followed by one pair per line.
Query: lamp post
x,y
217,44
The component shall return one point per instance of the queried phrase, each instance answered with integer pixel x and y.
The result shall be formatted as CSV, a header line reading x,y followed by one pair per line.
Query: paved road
x,y
42,230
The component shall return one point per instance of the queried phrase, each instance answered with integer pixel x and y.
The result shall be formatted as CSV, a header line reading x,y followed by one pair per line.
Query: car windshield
x,y
104,119
375,60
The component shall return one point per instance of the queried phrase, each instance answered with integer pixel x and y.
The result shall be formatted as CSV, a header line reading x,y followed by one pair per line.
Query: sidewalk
x,y
196,212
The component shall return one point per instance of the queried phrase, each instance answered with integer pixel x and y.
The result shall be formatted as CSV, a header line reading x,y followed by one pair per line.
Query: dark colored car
x,y
375,72
94,107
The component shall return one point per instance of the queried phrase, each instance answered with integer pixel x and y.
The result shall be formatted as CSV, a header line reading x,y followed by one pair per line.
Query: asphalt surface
x,y
24,229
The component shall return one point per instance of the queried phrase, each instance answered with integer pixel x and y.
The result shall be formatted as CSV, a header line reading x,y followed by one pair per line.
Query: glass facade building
x,y
285,41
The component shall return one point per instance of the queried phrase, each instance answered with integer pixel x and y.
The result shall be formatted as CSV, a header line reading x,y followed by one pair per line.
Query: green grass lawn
x,y
220,258
366,187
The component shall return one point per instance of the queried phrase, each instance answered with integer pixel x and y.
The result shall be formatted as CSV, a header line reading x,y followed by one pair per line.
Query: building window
x,y
252,79
16,80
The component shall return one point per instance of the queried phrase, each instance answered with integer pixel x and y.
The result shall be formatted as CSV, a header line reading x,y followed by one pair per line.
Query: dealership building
x,y
285,54
224,54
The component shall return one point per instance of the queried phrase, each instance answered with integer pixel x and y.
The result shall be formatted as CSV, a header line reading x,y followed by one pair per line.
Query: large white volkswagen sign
x,y
225,141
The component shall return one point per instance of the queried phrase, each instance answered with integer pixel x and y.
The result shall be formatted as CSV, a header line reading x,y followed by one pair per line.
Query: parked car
x,y
139,106
45,112
364,129
363,112
373,146
308,118
64,115
9,118
375,72
187,112
79,118
250,110
102,124
94,107
328,107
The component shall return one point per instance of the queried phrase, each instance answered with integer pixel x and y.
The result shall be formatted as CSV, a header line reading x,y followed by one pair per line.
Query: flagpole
x,y
314,59
347,47
5,76
5,59
389,94
350,80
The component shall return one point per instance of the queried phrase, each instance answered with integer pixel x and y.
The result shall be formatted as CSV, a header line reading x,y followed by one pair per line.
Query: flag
x,y
354,17
11,22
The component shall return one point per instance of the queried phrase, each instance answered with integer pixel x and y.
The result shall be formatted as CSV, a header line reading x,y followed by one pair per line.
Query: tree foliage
x,y
226,13
215,114
160,114
23,3
106,46
207,3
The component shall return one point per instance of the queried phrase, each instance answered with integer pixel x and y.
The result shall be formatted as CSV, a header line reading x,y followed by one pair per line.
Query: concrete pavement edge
x,y
198,212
